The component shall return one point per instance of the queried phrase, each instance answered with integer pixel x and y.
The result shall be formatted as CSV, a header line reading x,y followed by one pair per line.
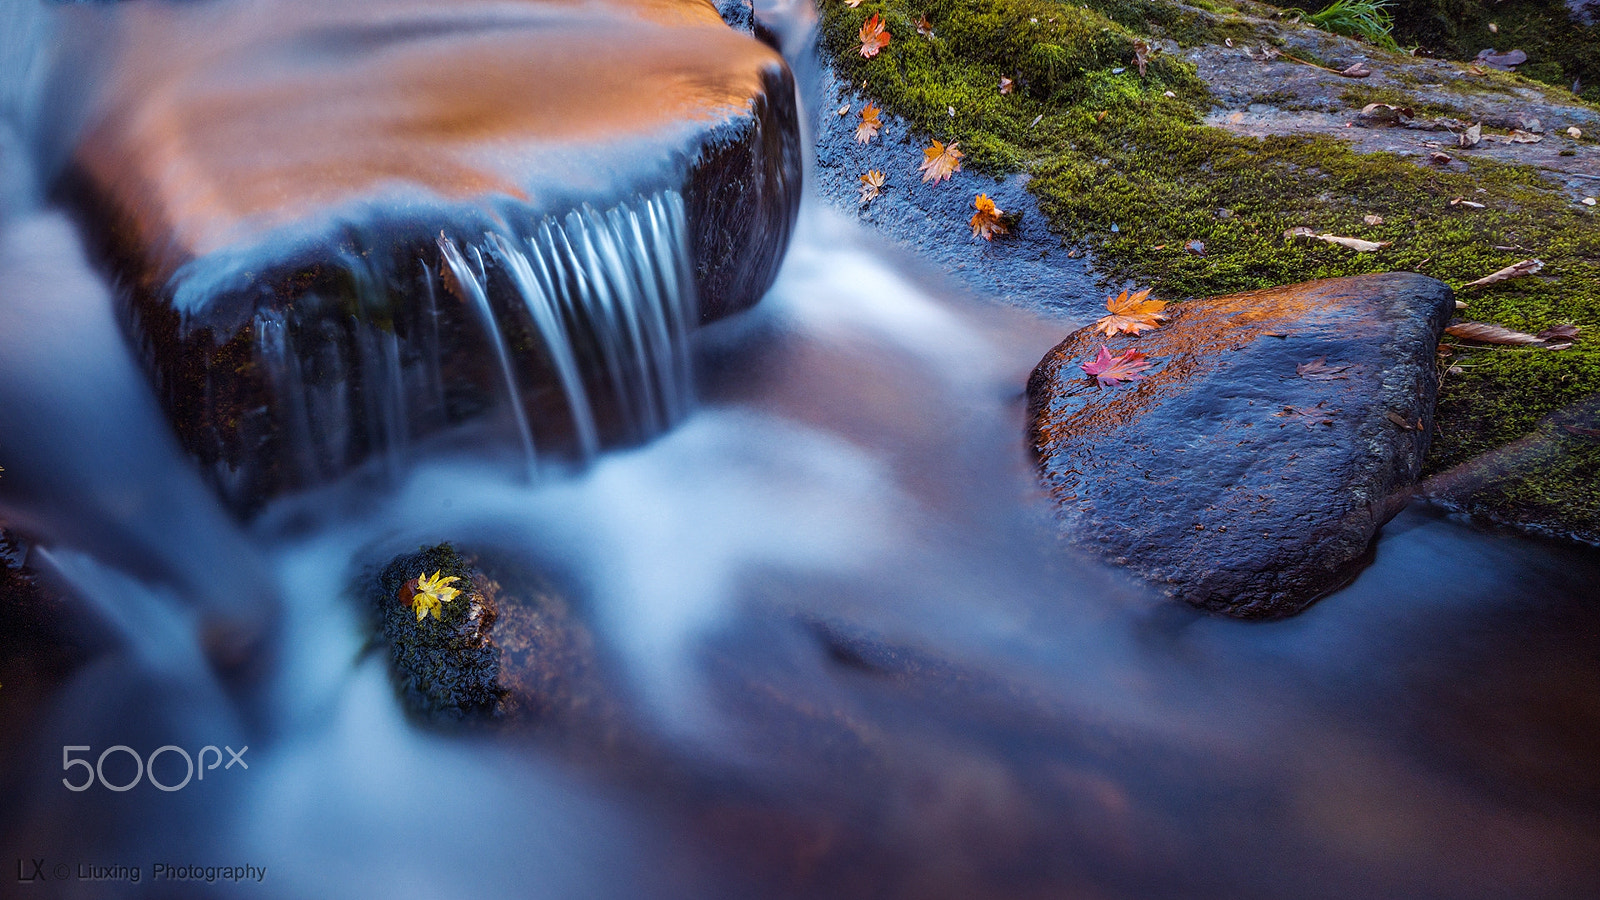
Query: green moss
x,y
1130,173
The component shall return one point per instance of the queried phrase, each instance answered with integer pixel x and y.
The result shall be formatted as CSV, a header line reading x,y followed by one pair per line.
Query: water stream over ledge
x,y
841,654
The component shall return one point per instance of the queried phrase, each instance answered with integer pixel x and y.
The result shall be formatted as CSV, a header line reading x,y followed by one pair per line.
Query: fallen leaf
x,y
1439,159
1385,113
1533,125
1518,136
1309,416
1198,248
987,221
1356,244
871,184
1005,84
1372,219
1141,55
1109,371
1400,420
1131,314
1319,370
1559,333
1493,28
852,3
1356,70
1036,120
940,162
867,129
1485,333
1574,132
1476,70
1299,231
1462,201
1168,94
1515,270
924,27
1589,201
1471,136
844,110
873,36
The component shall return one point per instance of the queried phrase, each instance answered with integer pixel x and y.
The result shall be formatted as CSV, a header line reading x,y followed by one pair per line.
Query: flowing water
x,y
840,654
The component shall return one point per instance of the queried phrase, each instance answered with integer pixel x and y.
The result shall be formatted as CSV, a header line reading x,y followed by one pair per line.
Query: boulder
x,y
1275,432
318,210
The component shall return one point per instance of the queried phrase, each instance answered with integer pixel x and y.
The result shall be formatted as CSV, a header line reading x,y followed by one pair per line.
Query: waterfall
x,y
572,332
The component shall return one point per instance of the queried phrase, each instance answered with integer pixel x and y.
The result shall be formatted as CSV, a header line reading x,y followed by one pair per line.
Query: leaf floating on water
x,y
1485,333
867,129
1515,270
1109,371
940,161
1471,137
1356,70
987,221
1319,370
871,184
1131,314
873,36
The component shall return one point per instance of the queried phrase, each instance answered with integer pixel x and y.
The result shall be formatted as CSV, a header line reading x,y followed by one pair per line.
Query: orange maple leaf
x,y
868,129
924,27
871,184
1006,85
940,162
986,222
1131,314
873,36
1110,370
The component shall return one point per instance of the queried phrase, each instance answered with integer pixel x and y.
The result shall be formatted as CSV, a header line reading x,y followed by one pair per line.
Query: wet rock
x,y
276,188
1275,432
507,649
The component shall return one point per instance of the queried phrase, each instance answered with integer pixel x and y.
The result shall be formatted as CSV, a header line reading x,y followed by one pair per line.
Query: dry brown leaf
x,y
1515,270
1518,136
871,184
1558,333
940,161
1485,333
1319,370
1131,314
1006,85
868,127
1141,55
1356,244
1356,70
924,27
1386,114
1439,159
1372,219
1471,137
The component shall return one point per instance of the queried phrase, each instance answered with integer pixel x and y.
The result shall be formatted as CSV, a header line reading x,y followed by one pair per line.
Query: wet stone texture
x,y
1275,432
274,182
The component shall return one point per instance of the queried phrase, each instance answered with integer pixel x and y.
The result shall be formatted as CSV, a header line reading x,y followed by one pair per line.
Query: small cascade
x,y
572,331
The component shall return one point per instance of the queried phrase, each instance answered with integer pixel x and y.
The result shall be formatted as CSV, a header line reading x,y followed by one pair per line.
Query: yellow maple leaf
x,y
871,184
870,123
940,161
987,222
424,593
1131,314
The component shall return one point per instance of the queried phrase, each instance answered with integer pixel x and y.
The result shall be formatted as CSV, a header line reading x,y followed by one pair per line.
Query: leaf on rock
x,y
940,162
1109,371
1485,333
1518,136
1471,136
1356,70
873,36
1515,270
867,128
871,184
988,221
1131,314
1309,416
1385,114
1319,370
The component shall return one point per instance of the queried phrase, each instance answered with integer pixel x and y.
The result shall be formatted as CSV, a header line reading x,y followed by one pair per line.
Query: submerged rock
x,y
347,226
1274,433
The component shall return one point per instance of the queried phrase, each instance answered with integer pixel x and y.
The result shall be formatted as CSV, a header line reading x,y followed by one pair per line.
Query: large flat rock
x,y
1228,477
275,181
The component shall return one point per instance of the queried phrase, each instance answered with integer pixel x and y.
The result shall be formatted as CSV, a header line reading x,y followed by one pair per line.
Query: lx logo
x,y
38,870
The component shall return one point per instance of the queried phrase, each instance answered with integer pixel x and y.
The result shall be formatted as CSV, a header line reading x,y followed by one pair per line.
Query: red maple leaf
x,y
1110,370
873,36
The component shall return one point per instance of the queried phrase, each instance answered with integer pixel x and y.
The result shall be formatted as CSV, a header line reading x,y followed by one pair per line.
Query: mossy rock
x,y
1124,168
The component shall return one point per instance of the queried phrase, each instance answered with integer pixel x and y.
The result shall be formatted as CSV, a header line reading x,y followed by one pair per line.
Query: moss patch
x,y
1128,171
